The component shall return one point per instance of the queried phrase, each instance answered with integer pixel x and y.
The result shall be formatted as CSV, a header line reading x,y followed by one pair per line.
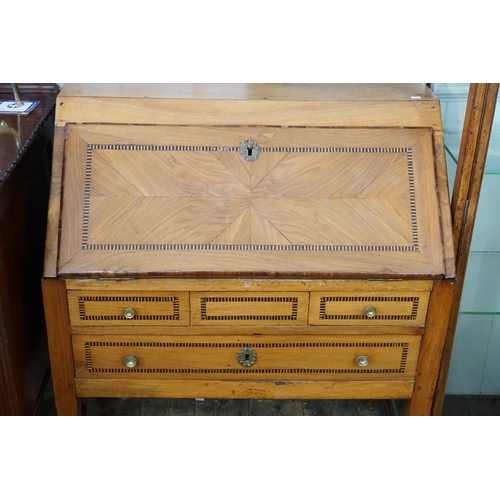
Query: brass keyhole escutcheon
x,y
249,150
247,357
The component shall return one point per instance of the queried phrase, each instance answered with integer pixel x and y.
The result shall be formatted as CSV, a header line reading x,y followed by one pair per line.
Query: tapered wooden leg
x,y
432,347
61,353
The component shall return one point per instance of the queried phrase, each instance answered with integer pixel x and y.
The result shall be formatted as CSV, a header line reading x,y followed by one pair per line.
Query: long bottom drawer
x,y
273,357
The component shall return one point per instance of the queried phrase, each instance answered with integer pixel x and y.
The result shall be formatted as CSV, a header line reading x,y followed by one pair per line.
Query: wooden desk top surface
x,y
254,91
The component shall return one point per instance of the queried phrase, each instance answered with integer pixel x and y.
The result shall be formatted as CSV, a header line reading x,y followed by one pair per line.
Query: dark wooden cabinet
x,y
25,158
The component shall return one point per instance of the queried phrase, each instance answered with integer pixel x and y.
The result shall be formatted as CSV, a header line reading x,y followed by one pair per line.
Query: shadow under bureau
x,y
256,241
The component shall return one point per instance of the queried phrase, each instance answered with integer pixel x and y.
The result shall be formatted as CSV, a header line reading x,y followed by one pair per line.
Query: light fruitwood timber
x,y
249,308
348,196
444,204
369,105
339,201
480,112
53,221
254,91
248,285
278,357
402,308
230,389
256,331
432,348
151,308
264,113
73,200
60,348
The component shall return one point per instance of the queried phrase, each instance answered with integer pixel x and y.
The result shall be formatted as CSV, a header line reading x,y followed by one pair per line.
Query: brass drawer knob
x,y
362,361
130,361
129,313
370,312
247,357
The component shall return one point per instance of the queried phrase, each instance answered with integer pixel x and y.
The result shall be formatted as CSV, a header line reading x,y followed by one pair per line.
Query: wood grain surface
x,y
249,308
216,357
402,308
249,285
344,205
254,91
354,105
60,346
183,201
54,208
397,389
151,308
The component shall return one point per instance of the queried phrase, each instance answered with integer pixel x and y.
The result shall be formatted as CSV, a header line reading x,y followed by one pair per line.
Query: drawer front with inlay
x,y
94,308
367,308
247,358
245,308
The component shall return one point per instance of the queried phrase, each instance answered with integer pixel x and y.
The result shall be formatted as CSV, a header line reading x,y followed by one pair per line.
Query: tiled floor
x,y
453,406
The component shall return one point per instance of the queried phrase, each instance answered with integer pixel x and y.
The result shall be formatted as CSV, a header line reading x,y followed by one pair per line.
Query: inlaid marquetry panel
x,y
212,199
93,308
185,199
277,357
351,308
242,308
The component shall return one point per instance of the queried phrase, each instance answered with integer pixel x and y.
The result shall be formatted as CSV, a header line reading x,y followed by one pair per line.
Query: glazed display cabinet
x,y
274,241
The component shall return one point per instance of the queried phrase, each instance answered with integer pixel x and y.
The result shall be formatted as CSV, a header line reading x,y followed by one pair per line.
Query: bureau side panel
x,y
54,209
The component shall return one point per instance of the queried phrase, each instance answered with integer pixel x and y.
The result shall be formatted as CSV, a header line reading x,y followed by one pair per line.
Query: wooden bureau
x,y
248,241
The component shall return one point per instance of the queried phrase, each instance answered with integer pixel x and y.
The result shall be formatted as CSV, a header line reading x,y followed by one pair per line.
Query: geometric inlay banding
x,y
406,317
256,345
266,219
145,317
293,301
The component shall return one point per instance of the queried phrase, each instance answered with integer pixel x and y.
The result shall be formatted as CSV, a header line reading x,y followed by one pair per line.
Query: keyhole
x,y
249,151
247,357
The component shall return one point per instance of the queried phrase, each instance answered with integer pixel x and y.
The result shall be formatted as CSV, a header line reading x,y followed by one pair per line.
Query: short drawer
x,y
249,308
95,308
330,357
364,308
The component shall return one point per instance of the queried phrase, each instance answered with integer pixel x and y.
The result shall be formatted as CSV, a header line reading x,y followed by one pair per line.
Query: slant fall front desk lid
x,y
249,201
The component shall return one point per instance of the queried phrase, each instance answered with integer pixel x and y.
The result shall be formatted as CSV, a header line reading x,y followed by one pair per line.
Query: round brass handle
x,y
370,312
129,313
362,361
247,357
130,361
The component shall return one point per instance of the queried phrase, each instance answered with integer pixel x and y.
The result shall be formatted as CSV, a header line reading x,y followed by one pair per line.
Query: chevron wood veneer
x,y
178,191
